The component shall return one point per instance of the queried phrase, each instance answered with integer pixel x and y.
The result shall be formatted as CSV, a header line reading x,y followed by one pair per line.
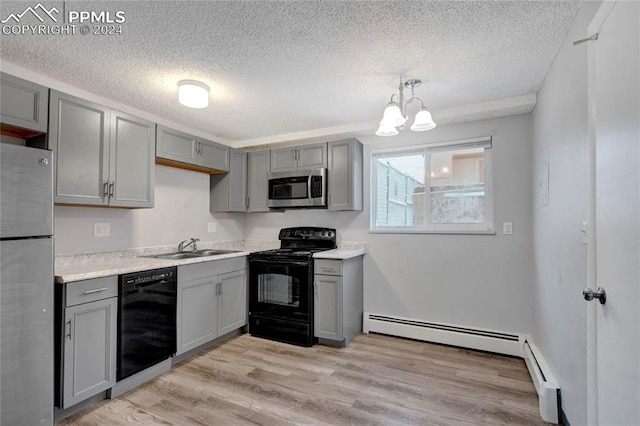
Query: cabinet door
x,y
213,155
23,103
176,146
345,175
257,184
238,182
89,350
327,306
132,168
284,160
312,156
79,138
232,301
197,321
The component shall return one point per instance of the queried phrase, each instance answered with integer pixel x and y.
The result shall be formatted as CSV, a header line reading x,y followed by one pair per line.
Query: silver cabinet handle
x,y
599,294
43,161
111,185
106,189
97,290
69,332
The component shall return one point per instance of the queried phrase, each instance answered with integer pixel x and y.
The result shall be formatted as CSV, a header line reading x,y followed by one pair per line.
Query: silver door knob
x,y
599,294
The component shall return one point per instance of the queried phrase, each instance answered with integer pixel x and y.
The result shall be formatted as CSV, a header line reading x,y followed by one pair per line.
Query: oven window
x,y
277,289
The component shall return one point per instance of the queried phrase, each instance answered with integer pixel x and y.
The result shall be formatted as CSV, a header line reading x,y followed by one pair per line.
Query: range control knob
x,y
287,232
323,233
329,234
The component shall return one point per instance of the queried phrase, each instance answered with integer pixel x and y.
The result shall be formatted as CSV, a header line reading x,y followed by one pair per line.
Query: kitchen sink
x,y
191,254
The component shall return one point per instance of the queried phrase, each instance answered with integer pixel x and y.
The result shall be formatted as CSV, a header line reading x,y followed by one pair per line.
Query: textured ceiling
x,y
277,68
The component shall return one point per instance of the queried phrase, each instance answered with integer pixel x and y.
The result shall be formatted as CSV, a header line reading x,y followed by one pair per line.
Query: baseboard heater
x,y
484,340
546,385
480,339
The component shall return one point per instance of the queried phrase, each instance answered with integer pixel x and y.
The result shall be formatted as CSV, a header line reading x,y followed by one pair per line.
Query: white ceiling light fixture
x,y
395,117
193,94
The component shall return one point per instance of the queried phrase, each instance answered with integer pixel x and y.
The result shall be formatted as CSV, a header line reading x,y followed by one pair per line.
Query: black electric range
x,y
281,285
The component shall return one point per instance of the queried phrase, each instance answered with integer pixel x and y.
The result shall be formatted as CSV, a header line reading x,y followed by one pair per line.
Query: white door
x,y
615,119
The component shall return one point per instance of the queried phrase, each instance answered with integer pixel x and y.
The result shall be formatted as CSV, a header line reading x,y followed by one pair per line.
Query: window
x,y
433,188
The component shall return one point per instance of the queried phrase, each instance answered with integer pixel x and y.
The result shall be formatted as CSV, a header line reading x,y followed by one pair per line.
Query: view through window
x,y
442,188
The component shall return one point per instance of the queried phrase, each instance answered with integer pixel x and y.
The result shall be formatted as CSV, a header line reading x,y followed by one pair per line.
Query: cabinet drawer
x,y
90,290
328,267
214,267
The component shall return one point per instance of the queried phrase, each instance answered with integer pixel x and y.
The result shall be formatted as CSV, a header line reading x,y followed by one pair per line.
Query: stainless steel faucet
x,y
186,243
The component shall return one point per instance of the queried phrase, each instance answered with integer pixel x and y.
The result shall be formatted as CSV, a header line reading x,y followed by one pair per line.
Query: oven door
x,y
281,289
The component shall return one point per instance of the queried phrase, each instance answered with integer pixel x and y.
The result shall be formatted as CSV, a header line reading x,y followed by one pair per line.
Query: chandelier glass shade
x,y
394,117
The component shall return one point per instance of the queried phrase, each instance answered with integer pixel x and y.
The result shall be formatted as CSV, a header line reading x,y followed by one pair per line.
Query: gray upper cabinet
x,y
214,156
23,104
229,191
103,157
79,138
257,184
299,158
345,175
178,149
131,165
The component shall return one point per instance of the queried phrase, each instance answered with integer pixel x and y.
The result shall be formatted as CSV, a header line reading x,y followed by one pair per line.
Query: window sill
x,y
428,231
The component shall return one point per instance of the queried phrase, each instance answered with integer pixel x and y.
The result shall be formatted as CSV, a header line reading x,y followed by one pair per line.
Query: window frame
x,y
486,228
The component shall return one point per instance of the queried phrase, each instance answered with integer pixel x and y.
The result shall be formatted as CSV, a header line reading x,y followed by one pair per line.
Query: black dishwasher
x,y
146,319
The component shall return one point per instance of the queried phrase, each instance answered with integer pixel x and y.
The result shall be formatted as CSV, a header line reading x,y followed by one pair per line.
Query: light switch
x,y
101,229
507,228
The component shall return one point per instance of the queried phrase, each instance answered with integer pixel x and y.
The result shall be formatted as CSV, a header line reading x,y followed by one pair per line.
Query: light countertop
x,y
84,266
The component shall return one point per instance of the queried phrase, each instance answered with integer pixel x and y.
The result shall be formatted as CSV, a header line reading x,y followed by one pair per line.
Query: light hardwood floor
x,y
377,380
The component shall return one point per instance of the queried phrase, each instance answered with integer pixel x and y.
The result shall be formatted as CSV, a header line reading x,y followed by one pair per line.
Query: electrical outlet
x,y
212,227
101,229
507,228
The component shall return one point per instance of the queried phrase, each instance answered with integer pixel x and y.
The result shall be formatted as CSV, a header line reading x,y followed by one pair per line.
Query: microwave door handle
x,y
309,184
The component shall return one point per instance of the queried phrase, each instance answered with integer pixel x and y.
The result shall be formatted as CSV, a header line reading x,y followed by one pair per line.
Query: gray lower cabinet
x,y
89,339
345,175
232,301
179,149
212,301
299,158
23,104
257,183
102,156
338,300
229,190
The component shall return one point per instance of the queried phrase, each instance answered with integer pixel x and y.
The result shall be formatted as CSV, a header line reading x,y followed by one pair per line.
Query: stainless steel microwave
x,y
302,188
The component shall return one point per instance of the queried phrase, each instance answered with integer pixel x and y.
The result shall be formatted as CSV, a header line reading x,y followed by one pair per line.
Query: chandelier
x,y
395,117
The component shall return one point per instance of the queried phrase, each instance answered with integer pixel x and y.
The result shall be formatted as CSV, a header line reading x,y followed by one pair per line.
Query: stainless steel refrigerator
x,y
26,286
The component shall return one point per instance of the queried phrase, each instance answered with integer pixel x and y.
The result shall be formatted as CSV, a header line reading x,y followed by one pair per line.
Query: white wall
x,y
474,280
181,211
560,134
